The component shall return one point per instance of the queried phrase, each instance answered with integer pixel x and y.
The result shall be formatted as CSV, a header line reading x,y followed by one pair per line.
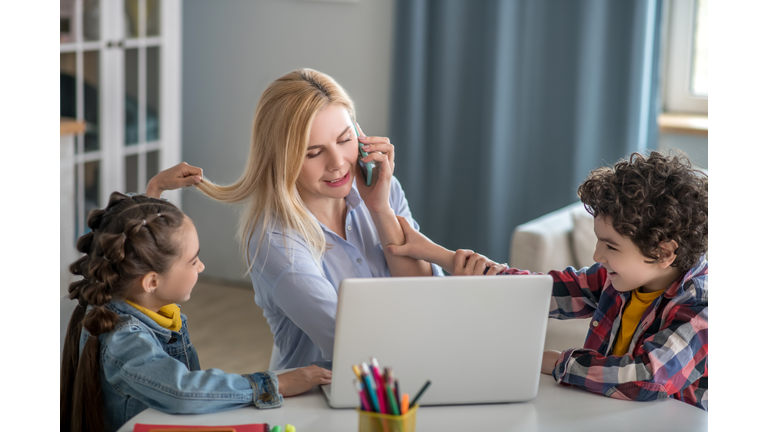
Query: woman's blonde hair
x,y
281,128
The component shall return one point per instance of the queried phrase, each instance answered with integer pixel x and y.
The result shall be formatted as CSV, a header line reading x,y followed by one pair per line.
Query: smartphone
x,y
365,167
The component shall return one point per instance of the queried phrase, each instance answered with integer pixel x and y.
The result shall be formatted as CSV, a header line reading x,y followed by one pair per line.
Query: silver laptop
x,y
478,339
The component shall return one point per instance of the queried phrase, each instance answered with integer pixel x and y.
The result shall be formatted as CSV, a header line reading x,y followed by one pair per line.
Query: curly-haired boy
x,y
647,292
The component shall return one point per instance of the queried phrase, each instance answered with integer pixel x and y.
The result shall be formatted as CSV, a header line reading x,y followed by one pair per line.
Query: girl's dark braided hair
x,y
133,236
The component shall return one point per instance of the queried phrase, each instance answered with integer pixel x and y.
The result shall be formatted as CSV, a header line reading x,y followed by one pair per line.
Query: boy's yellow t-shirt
x,y
169,316
634,310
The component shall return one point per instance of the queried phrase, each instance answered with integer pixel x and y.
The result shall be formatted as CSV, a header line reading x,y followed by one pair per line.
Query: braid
x,y
131,237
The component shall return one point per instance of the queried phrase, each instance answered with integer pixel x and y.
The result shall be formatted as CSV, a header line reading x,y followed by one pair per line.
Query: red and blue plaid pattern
x,y
667,356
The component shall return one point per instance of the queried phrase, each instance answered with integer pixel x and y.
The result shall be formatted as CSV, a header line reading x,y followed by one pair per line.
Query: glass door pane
x,y
91,99
91,20
153,94
68,84
143,84
153,164
153,18
132,173
91,188
67,21
131,96
131,19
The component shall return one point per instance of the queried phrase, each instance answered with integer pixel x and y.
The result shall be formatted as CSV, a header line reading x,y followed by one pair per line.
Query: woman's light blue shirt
x,y
298,297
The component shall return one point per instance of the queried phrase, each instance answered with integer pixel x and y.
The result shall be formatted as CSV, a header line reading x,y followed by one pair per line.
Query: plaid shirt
x,y
667,356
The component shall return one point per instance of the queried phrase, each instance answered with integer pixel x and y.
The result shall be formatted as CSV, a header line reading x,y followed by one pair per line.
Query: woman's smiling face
x,y
331,158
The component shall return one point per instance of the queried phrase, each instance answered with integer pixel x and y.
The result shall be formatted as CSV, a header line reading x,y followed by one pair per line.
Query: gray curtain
x,y
501,108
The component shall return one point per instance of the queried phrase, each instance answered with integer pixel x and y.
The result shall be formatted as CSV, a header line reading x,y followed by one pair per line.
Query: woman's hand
x,y
300,380
466,262
175,177
382,153
549,361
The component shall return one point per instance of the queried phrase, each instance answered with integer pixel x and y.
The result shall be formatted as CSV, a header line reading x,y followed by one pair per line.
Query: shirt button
x,y
594,324
265,397
359,260
349,227
172,340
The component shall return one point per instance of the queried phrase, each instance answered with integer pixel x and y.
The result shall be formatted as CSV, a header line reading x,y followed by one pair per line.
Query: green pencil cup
x,y
375,422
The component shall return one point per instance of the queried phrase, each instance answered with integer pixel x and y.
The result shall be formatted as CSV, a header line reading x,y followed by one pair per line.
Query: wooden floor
x,y
227,328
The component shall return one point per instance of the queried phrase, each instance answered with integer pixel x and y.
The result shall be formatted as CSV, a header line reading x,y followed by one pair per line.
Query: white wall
x,y
696,147
232,49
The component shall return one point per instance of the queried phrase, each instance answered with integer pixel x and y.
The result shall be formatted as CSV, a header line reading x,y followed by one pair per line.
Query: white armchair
x,y
555,241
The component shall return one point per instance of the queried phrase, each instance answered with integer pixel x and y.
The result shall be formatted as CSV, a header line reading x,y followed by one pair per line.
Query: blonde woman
x,y
308,219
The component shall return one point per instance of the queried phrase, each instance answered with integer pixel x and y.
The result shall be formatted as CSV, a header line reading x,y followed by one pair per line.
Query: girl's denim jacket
x,y
144,365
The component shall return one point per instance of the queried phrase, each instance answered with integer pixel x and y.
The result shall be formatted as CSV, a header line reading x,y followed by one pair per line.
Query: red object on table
x,y
261,427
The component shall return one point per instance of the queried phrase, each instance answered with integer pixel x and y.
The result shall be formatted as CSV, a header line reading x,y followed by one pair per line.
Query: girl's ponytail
x,y
128,239
88,414
69,365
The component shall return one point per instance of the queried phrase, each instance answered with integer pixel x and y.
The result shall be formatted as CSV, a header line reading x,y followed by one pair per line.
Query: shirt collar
x,y
353,198
677,287
353,201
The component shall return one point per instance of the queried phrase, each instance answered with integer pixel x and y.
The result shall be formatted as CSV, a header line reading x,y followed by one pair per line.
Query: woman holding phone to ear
x,y
309,220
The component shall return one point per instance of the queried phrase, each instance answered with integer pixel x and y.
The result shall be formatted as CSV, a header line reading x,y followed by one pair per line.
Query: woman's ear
x,y
667,253
150,281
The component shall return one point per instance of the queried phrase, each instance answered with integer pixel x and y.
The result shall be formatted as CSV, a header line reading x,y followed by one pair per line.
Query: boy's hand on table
x,y
175,177
549,361
300,380
467,262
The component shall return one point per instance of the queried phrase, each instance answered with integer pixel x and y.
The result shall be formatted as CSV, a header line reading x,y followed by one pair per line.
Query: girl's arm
x,y
138,366
175,177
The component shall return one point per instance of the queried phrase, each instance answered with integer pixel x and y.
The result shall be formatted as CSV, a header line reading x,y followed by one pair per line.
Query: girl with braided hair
x,y
127,347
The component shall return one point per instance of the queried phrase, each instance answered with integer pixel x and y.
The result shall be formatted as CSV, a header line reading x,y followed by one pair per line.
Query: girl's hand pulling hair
x,y
175,177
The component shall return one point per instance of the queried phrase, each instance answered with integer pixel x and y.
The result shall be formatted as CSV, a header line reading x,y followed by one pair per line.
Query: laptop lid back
x,y
478,339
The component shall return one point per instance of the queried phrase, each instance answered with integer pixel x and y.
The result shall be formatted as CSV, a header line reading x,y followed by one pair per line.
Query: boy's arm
x,y
418,246
575,293
670,361
461,262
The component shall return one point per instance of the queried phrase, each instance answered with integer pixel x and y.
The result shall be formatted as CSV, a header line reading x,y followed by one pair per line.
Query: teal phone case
x,y
366,167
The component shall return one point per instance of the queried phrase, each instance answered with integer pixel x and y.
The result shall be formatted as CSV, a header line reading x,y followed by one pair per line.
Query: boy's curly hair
x,y
652,200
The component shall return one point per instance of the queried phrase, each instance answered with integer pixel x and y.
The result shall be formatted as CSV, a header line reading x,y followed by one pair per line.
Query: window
x,y
686,83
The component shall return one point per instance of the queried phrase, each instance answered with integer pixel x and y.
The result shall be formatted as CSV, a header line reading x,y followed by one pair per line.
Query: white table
x,y
556,408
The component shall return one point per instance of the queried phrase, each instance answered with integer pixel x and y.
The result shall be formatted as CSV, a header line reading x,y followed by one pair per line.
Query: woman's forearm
x,y
390,232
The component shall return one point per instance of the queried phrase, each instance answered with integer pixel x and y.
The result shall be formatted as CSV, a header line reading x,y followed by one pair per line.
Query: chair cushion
x,y
583,238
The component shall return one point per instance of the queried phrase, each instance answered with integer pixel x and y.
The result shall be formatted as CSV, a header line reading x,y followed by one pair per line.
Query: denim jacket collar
x,y
121,307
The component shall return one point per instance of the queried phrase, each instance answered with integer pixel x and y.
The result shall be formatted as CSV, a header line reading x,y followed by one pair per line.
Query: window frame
x,y
680,34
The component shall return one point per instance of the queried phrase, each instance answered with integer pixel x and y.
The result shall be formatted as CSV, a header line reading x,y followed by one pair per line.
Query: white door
x,y
121,75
